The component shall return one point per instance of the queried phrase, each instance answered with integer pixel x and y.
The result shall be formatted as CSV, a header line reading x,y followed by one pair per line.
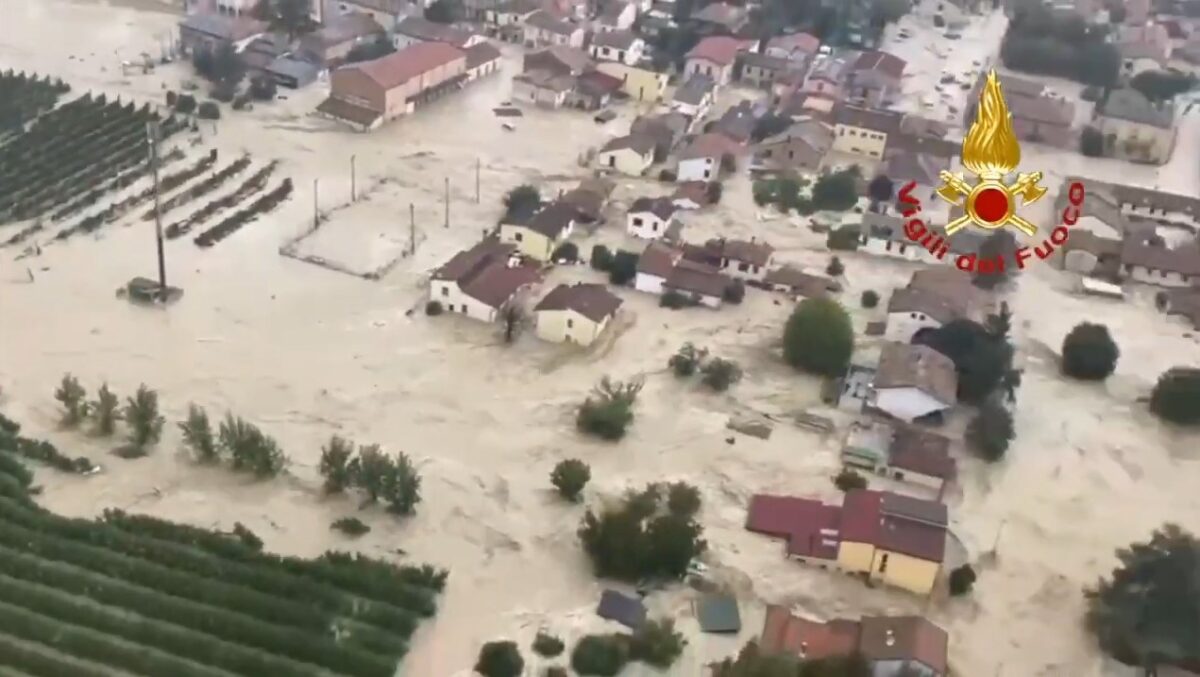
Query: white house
x,y
543,29
911,310
616,16
702,158
655,266
653,219
632,154
900,452
744,259
621,46
694,97
482,281
701,283
883,235
913,381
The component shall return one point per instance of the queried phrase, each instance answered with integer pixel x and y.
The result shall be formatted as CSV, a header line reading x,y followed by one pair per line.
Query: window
x,y
654,227
707,172
637,221
791,154
518,236
446,292
570,324
883,563
743,267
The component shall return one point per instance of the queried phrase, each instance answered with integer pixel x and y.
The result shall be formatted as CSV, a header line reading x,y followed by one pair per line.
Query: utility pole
x,y
412,229
352,196
316,214
447,201
152,139
477,180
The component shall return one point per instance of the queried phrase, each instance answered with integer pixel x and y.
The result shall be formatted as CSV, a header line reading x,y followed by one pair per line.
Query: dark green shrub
x,y
186,104
720,374
433,308
674,300
687,361
351,526
600,655
569,477
500,659
1176,396
567,251
848,480
961,580
1089,352
735,292
208,111
547,645
870,299
609,410
601,258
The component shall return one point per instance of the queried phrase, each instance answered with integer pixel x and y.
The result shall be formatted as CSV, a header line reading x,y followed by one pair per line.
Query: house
x,y
922,168
714,57
746,260
798,284
828,75
883,235
654,266
414,29
542,88
557,60
483,281
912,382
538,235
620,45
593,90
692,195
1037,117
332,42
864,131
367,94
588,199
261,52
704,157
874,79
701,283
1143,47
1136,129
694,97
543,29
508,18
483,59
719,18
575,313
616,15
799,149
793,45
385,12
1148,263
905,453
1153,205
289,71
1091,254
632,154
738,122
889,538
764,70
891,645
666,129
626,610
653,218
210,32
640,84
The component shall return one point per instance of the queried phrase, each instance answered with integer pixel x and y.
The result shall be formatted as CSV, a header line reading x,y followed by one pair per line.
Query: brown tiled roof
x,y
470,261
940,307
952,283
1042,109
548,22
719,49
923,168
597,83
396,69
752,252
880,62
888,521
710,145
885,121
658,260
552,219
385,6
696,191
481,53
615,39
546,80
799,520
720,13
347,27
898,638
784,633
497,282
593,301
572,59
588,204
915,366
697,278
801,283
921,451
344,110
661,207
641,144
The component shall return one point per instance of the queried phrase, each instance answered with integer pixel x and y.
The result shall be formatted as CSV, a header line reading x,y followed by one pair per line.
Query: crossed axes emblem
x,y
990,203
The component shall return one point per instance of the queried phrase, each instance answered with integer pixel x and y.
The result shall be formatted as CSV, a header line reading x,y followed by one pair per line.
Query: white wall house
x,y
620,46
653,219
454,300
699,169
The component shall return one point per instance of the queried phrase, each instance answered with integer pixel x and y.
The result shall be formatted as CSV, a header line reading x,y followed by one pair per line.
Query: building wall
x,y
855,557
530,243
794,154
626,56
699,169
903,326
822,86
547,98
400,41
1156,277
704,300
745,271
626,161
351,85
859,141
910,573
758,76
454,301
906,251
906,404
568,326
1159,142
646,225
484,69
719,74
651,284
640,84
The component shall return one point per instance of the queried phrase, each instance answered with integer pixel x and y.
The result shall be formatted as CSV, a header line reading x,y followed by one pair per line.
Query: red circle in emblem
x,y
991,205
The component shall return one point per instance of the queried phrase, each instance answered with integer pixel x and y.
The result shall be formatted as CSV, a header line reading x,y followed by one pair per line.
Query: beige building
x,y
639,83
1136,129
863,131
576,313
368,94
632,154
540,233
481,282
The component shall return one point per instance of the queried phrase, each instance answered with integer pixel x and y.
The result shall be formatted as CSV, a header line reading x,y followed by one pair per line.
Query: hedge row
x,y
11,466
39,660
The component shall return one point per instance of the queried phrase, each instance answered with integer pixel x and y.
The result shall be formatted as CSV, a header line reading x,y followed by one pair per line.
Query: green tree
x,y
961,580
683,499
982,360
687,361
819,338
351,526
294,17
844,238
608,411
753,662
991,431
500,659
600,655
641,538
104,411
1091,142
445,11
888,11
73,398
336,466
402,486
735,292
567,251
657,643
848,480
1176,396
880,190
835,267
765,191
569,477
623,267
522,199
1147,613
198,435
1162,85
720,374
870,299
837,191
374,470
141,414
547,645
1089,352
601,258
249,448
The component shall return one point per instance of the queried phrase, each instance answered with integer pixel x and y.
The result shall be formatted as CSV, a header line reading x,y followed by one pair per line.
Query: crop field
x,y
24,97
134,595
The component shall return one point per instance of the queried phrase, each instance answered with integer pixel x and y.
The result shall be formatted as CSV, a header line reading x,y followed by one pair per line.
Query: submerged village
x,y
535,338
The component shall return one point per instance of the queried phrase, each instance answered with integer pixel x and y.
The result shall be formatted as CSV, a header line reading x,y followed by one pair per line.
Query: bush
x,y
500,659
1091,142
674,299
433,308
870,299
765,192
241,102
247,537
351,526
835,267
623,267
990,432
104,411
224,92
845,238
685,362
720,374
848,480
819,338
208,111
609,410
73,399
836,191
657,643
1176,396
142,417
567,251
523,198
735,292
642,538
601,258
336,465
547,645
198,435
600,655
402,486
186,104
982,357
1089,353
569,477
667,176
961,580
249,448
683,500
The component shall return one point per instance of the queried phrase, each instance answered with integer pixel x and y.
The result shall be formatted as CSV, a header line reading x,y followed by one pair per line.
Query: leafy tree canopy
x,y
644,536
819,338
1089,352
1176,396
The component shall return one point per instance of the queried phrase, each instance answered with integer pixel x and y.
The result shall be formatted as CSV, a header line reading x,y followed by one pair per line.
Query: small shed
x,y
627,611
718,614
289,71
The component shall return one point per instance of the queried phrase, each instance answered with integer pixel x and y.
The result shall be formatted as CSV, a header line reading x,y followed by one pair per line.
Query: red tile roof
x,y
897,638
797,636
396,69
593,301
710,145
895,523
800,520
719,49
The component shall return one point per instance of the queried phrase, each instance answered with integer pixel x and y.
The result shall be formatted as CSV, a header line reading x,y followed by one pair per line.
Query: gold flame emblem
x,y
991,152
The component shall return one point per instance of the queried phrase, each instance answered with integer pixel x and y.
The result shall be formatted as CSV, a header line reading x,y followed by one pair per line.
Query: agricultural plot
x,y
150,597
366,239
72,150
24,97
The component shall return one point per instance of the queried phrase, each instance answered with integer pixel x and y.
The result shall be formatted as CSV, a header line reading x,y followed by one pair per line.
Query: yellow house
x,y
576,313
640,84
886,537
537,235
632,154
864,131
